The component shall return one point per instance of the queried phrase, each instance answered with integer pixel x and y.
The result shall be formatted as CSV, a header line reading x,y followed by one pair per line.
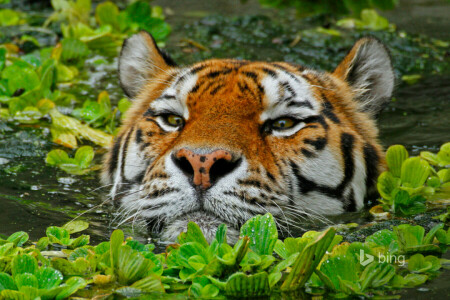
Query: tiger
x,y
223,140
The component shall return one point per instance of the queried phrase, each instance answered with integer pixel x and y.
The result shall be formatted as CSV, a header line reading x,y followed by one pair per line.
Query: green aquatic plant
x,y
368,19
32,79
105,31
410,181
259,264
78,165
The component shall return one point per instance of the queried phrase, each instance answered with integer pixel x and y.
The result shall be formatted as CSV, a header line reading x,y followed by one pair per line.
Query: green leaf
x,y
401,197
18,238
434,181
395,156
414,172
9,17
274,278
20,77
42,243
412,280
79,130
73,50
48,75
418,264
74,169
430,157
58,235
241,285
106,13
370,19
408,235
76,226
193,234
411,78
262,232
72,285
139,11
382,237
197,262
149,284
116,241
29,115
80,252
48,278
102,248
80,241
413,209
190,249
131,265
84,156
387,184
444,155
26,279
23,263
2,58
430,235
221,234
444,175
158,28
123,105
6,282
57,157
441,236
376,275
308,260
344,267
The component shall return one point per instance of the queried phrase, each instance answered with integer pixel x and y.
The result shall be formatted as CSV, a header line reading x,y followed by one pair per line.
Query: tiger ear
x,y
367,68
140,60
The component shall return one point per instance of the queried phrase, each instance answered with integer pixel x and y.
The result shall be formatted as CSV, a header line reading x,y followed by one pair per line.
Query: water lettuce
x,y
410,181
259,264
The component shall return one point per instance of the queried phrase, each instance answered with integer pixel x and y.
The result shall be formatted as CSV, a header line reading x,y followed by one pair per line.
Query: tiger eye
x,y
174,120
283,123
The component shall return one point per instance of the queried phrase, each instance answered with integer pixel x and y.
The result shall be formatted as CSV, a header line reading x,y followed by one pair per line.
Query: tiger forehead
x,y
259,84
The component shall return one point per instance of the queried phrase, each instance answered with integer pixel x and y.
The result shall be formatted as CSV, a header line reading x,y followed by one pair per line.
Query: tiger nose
x,y
205,169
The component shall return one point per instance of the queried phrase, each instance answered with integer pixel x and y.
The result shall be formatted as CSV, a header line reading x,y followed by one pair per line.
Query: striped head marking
x,y
223,140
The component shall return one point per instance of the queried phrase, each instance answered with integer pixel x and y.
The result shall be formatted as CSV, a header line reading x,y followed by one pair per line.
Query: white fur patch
x,y
134,161
135,64
325,169
372,76
359,180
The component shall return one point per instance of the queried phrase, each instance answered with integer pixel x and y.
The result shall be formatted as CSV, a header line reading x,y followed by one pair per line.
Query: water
x,y
34,196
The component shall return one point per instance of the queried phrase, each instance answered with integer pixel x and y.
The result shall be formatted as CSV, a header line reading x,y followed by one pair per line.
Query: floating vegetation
x,y
259,264
411,181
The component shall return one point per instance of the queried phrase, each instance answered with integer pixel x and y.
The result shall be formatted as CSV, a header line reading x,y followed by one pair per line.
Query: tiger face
x,y
223,140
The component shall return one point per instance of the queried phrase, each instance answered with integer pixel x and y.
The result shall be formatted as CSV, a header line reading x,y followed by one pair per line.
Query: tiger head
x,y
223,140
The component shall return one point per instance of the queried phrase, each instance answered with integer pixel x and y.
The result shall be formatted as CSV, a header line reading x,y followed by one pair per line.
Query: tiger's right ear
x,y
139,61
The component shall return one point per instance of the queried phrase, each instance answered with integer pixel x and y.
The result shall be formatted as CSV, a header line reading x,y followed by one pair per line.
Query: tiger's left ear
x,y
141,60
368,70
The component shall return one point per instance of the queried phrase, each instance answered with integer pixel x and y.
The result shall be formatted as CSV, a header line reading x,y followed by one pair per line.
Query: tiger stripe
x,y
324,162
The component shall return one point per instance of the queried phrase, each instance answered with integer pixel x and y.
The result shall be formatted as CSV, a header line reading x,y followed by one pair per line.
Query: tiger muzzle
x,y
205,169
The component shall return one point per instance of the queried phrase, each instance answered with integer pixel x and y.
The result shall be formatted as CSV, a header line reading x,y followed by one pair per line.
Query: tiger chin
x,y
223,140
